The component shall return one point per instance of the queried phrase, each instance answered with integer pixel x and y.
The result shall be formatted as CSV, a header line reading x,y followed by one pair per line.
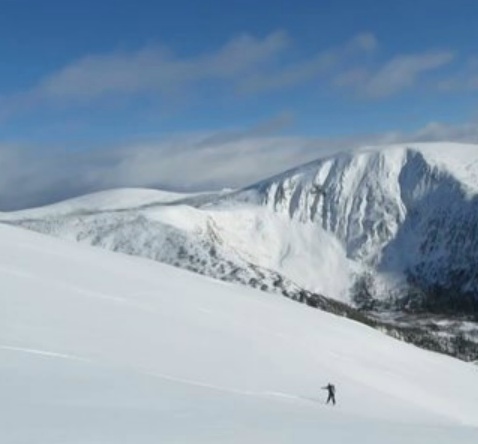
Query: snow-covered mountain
x,y
381,228
405,217
97,347
404,211
240,242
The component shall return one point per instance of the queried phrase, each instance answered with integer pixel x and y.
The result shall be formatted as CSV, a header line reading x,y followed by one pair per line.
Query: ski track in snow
x,y
162,376
43,353
259,394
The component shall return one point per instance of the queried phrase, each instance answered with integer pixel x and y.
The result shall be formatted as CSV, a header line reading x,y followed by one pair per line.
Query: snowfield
x,y
400,214
184,232
110,200
97,347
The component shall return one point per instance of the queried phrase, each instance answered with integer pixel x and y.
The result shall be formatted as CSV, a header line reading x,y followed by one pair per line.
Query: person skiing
x,y
331,391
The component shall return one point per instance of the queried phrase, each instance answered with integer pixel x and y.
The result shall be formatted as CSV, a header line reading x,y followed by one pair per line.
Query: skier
x,y
331,390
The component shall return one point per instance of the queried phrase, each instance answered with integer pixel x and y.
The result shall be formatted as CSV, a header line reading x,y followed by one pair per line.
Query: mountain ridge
x,y
389,228
384,205
369,197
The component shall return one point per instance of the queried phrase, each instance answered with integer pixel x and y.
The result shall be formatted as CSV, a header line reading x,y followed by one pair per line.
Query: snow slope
x,y
400,213
242,243
401,209
110,200
363,196
97,347
304,253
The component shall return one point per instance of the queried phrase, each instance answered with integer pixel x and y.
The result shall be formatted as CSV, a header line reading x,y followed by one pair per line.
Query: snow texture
x,y
97,347
404,210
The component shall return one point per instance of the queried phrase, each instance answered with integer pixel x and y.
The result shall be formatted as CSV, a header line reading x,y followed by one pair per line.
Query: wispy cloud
x,y
394,76
188,162
244,65
313,68
151,70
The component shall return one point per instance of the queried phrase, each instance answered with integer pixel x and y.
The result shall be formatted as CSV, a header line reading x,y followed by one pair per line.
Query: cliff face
x,y
398,210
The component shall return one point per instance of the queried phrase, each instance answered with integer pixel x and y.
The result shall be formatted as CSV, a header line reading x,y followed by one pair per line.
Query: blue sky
x,y
93,87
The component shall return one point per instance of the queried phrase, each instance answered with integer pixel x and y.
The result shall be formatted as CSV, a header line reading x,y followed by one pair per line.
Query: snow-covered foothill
x,y
97,347
109,200
184,234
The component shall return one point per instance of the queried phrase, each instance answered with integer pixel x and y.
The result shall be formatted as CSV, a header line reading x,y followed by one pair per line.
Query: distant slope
x,y
98,347
110,200
363,197
403,219
408,210
238,243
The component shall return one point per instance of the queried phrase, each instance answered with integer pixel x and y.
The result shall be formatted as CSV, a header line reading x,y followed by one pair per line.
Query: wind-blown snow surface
x,y
97,347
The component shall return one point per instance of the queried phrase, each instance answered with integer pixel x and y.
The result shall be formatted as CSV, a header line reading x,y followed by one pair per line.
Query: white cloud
x,y
403,71
436,131
396,75
190,162
313,68
155,70
245,61
245,64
